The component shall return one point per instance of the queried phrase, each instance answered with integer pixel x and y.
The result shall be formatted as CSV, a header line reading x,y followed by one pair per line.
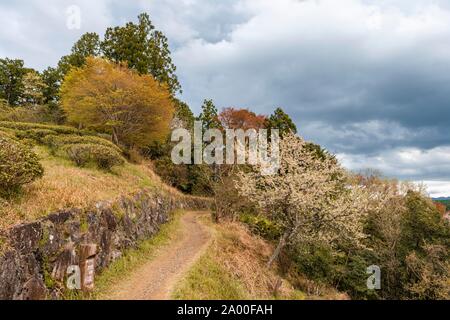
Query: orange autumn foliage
x,y
441,208
109,97
232,118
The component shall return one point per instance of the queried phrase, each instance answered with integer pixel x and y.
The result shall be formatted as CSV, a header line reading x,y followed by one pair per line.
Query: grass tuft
x,y
208,280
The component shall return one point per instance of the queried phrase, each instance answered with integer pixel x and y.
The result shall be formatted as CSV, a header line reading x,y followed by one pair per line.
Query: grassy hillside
x,y
66,185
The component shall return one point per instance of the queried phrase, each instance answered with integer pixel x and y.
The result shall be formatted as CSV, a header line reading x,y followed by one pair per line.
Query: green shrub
x,y
192,179
343,268
28,142
9,133
79,154
35,134
55,141
24,126
51,142
18,166
262,226
317,262
104,157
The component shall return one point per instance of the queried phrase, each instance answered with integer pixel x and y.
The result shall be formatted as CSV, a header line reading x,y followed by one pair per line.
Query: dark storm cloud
x,y
183,21
345,66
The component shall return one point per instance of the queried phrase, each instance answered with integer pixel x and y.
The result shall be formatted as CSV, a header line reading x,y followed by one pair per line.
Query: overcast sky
x,y
369,80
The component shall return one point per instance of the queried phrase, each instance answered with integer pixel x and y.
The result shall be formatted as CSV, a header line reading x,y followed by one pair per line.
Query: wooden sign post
x,y
87,266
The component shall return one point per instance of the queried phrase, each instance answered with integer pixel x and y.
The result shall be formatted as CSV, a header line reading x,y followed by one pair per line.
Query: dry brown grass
x,y
315,290
67,186
235,267
245,256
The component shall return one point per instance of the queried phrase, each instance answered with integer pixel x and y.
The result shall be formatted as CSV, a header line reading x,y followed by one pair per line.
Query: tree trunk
x,y
216,211
278,249
114,136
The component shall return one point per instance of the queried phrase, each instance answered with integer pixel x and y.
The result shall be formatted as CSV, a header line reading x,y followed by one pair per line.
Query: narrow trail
x,y
156,279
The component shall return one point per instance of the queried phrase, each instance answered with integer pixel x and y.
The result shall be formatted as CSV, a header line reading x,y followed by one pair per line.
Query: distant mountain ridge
x,y
441,198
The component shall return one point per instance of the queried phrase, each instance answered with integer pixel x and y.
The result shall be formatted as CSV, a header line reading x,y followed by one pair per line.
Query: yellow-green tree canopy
x,y
109,97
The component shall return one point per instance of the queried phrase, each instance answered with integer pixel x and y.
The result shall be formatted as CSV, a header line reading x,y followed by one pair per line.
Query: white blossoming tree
x,y
310,197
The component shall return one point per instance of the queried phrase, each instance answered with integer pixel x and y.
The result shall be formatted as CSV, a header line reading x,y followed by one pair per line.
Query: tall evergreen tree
x,y
144,48
280,120
52,78
184,114
209,116
88,45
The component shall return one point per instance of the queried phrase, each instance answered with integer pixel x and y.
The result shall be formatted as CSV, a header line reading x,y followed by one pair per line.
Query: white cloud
x,y
409,164
403,162
437,189
36,31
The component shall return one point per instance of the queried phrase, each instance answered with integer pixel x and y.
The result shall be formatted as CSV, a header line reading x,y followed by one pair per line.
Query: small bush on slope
x,y
18,166
57,141
261,226
77,154
10,133
24,126
104,157
35,134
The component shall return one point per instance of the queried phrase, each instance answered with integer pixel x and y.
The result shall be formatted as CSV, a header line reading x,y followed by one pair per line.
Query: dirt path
x,y
156,279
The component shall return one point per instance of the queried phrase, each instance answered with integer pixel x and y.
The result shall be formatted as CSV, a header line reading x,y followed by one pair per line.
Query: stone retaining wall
x,y
34,257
